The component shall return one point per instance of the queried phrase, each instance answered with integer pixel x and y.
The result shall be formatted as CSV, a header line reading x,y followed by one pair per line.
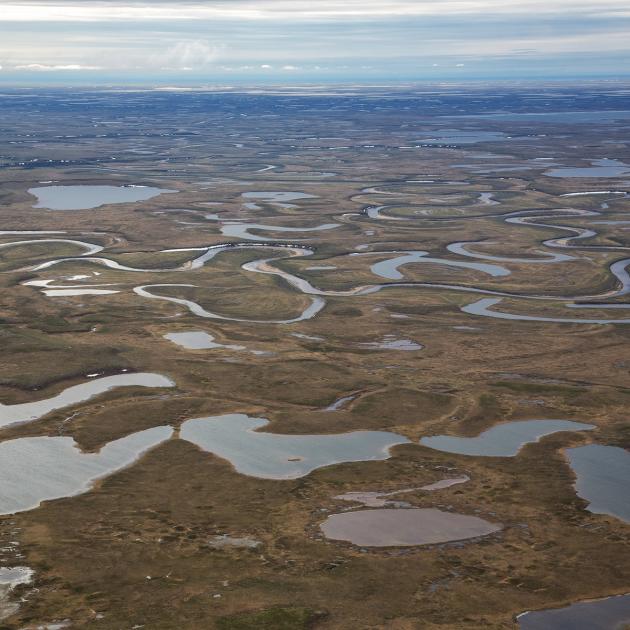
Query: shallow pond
x,y
445,483
455,136
598,168
234,437
561,117
383,499
376,499
612,613
85,197
30,411
603,478
36,469
404,527
15,575
390,342
199,340
10,577
503,440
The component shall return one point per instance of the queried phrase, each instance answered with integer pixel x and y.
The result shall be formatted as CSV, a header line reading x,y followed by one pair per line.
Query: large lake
x,y
86,197
603,478
36,469
600,168
236,437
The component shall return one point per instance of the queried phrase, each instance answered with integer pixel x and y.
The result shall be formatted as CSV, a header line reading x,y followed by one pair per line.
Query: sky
x,y
169,42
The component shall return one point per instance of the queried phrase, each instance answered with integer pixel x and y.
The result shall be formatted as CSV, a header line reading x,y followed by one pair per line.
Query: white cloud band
x,y
96,11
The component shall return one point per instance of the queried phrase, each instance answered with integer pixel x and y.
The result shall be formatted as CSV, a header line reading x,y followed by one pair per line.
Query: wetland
x,y
335,359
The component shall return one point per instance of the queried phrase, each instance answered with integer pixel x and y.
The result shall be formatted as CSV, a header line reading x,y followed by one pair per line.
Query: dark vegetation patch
x,y
271,619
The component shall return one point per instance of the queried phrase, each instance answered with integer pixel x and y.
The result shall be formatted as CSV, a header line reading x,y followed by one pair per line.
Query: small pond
x,y
612,613
404,527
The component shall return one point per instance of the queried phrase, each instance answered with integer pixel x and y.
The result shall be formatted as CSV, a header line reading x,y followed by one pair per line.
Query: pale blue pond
x,y
200,340
603,478
612,613
455,136
85,197
503,440
599,168
604,116
391,342
10,577
236,438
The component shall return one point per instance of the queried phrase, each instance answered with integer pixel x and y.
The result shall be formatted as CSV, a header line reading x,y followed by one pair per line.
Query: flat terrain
x,y
313,335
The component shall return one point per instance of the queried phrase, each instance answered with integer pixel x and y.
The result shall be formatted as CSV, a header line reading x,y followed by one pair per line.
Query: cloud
x,y
187,55
260,10
43,67
284,39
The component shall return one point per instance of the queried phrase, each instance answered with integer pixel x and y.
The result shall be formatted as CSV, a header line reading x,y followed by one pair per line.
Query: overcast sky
x,y
165,41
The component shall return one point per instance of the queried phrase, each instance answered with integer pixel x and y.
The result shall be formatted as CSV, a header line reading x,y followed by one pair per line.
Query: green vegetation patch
x,y
542,388
271,619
